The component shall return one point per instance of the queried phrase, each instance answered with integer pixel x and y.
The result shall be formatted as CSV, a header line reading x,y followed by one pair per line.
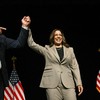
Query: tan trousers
x,y
61,93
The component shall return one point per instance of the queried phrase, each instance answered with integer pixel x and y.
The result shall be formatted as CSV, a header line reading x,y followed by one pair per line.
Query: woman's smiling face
x,y
58,38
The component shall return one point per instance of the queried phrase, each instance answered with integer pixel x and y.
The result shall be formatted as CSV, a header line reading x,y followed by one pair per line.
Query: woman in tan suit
x,y
61,73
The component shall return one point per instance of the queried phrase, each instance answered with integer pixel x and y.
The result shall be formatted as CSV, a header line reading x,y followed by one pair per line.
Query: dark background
x,y
80,21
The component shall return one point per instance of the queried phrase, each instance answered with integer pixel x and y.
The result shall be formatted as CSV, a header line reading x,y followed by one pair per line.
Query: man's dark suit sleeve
x,y
20,41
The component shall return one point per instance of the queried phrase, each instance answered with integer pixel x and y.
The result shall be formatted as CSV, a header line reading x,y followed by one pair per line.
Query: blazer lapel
x,y
55,53
65,53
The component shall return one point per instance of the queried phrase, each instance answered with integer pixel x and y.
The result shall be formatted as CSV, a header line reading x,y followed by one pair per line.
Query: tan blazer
x,y
67,68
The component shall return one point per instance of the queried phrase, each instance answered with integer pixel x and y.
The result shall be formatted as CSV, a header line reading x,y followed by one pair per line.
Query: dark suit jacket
x,y
6,43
